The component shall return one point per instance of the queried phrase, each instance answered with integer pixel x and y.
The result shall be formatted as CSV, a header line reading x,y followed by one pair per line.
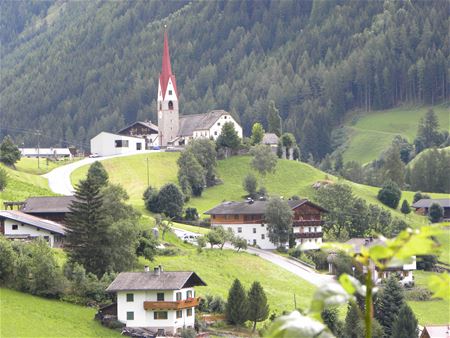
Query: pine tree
x,y
258,309
351,321
405,209
97,174
338,163
228,138
274,119
405,326
237,304
428,129
388,304
394,168
87,240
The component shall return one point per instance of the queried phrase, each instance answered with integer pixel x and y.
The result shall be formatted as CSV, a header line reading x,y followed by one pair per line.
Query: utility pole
x,y
38,133
148,176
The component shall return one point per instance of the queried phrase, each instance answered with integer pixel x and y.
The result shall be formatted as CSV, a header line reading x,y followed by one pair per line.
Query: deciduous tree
x,y
257,133
278,216
228,139
9,152
435,213
264,161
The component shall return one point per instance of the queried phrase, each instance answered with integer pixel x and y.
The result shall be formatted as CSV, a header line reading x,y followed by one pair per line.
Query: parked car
x,y
156,148
94,155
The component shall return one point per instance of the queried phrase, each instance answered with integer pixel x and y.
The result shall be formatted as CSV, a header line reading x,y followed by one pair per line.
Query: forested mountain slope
x,y
73,69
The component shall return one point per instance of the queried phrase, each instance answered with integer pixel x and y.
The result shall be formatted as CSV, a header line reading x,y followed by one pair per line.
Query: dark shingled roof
x,y
248,208
48,204
147,124
189,123
427,202
270,138
166,280
32,220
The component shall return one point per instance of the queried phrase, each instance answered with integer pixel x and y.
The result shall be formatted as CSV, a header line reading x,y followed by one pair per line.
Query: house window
x,y
214,216
189,312
170,92
179,313
138,146
160,296
239,230
236,216
130,315
170,105
254,230
189,294
254,242
262,225
15,227
160,315
130,297
263,236
218,124
121,143
225,117
315,229
178,295
215,133
309,229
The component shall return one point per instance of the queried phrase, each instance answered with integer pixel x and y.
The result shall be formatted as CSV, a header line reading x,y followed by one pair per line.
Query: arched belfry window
x,y
160,106
170,105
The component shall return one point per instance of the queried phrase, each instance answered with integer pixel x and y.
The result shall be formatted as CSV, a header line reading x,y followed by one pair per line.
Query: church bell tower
x,y
167,103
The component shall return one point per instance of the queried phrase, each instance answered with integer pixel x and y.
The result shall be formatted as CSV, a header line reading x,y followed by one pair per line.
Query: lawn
x,y
429,312
373,132
21,185
30,165
24,315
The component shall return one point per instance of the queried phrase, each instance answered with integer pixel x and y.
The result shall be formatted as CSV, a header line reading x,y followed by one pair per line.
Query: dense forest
x,y
72,69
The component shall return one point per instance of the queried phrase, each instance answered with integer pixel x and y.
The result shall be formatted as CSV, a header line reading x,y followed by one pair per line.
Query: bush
x,y
169,252
7,260
9,152
435,213
188,333
151,199
191,214
390,195
417,294
295,252
319,258
3,179
217,305
170,200
426,262
250,184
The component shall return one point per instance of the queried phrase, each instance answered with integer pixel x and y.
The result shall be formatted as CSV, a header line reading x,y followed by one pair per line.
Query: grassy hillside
x,y
30,165
373,132
22,185
23,315
290,178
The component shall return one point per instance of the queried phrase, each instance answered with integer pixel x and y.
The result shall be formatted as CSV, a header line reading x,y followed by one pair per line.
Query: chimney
x,y
157,271
161,268
146,269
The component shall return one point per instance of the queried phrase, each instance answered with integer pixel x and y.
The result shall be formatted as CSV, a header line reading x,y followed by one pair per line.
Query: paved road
x,y
296,268
59,182
59,178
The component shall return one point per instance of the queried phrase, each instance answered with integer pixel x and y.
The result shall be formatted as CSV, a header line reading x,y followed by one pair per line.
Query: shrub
x,y
151,199
169,252
188,333
7,260
417,294
295,252
3,179
435,213
390,195
191,214
319,258
426,262
217,305
9,152
170,200
250,184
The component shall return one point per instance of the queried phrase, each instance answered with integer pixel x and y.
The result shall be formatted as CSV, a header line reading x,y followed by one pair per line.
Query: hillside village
x,y
215,224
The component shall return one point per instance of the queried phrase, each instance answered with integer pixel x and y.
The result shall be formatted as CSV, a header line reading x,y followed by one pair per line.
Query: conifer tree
x,y
405,209
405,325
257,133
97,174
351,321
258,309
388,304
237,304
87,240
338,163
228,138
274,119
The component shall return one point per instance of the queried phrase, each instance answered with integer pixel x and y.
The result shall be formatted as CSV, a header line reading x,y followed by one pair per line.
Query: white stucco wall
x,y
104,144
252,233
145,318
216,129
25,229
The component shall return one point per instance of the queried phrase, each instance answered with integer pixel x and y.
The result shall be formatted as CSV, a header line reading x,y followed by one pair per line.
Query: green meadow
x,y
24,315
373,132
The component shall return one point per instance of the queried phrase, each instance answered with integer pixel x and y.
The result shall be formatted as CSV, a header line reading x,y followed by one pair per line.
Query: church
x,y
176,130
172,129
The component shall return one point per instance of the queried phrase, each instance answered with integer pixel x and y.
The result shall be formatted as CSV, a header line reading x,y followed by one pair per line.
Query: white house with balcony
x,y
16,225
163,301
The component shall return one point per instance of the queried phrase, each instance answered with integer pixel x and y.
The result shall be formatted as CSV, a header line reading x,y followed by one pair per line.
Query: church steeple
x,y
168,115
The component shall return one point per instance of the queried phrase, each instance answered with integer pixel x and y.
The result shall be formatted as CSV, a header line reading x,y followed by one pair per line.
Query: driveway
x,y
59,178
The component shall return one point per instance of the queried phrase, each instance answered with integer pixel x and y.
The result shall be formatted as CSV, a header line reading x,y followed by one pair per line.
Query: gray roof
x,y
166,280
438,331
357,243
270,138
147,124
48,204
251,208
32,220
190,123
427,202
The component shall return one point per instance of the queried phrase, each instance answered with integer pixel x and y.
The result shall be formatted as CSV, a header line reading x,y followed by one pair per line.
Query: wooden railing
x,y
172,305
308,234
307,222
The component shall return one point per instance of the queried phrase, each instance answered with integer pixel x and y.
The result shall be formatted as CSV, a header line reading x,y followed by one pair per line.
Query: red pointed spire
x,y
166,71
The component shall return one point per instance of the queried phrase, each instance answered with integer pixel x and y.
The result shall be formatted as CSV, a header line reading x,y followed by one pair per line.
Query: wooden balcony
x,y
172,305
307,223
308,234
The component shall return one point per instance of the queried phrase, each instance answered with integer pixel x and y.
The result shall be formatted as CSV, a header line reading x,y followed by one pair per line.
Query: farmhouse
x,y
17,225
107,144
143,129
405,271
161,300
53,208
179,130
246,219
55,153
423,205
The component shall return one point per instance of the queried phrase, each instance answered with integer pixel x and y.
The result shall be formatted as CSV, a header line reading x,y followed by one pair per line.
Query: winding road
x,y
59,182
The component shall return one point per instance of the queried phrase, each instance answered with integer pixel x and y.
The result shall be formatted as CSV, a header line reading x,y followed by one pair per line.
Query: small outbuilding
x,y
107,144
423,205
53,208
436,331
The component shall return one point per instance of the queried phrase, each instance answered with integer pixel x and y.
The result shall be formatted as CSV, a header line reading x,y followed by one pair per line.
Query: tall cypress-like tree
x,y
97,174
274,119
258,309
351,321
405,209
87,239
388,304
237,304
405,326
